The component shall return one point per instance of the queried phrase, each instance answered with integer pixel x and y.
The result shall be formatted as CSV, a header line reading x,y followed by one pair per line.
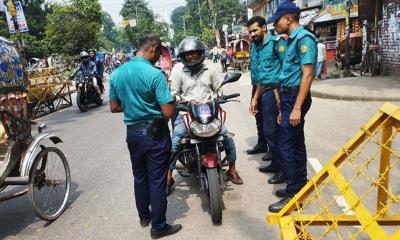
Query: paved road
x,y
102,205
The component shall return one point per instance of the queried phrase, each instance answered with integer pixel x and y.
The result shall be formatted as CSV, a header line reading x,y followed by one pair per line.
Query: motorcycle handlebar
x,y
227,97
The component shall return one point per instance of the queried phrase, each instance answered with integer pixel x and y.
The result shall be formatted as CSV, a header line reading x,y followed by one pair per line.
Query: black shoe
x,y
268,169
267,157
169,230
259,148
145,222
276,207
277,178
283,194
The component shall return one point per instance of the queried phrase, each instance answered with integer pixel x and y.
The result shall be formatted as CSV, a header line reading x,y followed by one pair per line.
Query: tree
x,y
73,28
35,13
199,19
146,21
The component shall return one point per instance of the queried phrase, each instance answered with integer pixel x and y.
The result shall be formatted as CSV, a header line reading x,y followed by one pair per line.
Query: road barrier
x,y
48,91
357,193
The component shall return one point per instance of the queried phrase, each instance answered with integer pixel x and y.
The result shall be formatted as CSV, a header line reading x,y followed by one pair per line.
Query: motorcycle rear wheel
x,y
215,193
81,101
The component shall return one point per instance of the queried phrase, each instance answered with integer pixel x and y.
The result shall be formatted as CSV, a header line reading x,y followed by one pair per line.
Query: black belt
x,y
289,89
138,127
268,87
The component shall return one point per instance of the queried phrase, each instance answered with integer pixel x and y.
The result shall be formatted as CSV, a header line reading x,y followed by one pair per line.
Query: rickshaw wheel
x,y
49,183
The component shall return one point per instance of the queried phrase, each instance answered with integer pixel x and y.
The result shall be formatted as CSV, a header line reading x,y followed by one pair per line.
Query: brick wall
x,y
390,36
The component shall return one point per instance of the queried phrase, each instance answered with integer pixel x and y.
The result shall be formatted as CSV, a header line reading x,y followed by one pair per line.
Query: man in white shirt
x,y
192,80
321,59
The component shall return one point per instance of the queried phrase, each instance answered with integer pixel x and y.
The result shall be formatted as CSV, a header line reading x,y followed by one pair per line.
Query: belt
x,y
138,127
289,89
269,87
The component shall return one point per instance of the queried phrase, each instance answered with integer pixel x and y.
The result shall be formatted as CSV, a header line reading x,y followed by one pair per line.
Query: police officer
x,y
296,78
267,54
140,91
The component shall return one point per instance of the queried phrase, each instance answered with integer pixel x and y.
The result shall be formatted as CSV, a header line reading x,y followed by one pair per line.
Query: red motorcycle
x,y
200,152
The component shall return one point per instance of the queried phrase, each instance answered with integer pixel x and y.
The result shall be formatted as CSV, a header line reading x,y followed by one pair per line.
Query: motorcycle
x,y
200,152
87,92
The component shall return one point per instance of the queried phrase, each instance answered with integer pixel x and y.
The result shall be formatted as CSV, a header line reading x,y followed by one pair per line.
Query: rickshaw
x,y
240,55
33,162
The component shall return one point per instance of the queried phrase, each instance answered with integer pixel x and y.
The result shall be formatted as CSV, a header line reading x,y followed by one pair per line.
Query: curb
x,y
325,95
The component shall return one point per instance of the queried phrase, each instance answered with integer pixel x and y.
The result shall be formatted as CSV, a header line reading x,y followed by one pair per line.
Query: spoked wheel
x,y
215,192
82,102
49,184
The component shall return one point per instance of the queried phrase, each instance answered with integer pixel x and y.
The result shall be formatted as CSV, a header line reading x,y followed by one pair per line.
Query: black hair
x,y
148,40
256,19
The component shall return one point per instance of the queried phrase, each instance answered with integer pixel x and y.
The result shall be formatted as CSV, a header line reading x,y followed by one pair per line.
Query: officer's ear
x,y
264,28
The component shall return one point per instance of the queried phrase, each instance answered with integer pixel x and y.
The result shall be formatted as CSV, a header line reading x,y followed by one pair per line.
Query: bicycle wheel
x,y
49,184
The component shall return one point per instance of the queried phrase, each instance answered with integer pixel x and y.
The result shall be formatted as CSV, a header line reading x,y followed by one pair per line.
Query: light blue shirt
x,y
266,60
141,88
301,50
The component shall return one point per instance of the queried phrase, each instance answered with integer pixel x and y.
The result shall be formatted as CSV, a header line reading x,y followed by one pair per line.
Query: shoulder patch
x,y
281,48
303,48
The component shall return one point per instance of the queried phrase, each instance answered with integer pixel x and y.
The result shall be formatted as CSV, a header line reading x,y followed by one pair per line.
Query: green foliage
x,y
145,19
73,28
198,18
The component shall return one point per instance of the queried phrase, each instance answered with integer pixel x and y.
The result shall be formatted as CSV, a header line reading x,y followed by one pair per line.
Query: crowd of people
x,y
283,64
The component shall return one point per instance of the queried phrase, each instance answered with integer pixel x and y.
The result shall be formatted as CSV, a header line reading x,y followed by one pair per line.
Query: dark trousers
x,y
150,166
291,142
270,126
259,121
100,84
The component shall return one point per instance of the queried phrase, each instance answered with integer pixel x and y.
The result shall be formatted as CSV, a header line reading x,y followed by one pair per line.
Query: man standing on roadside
x,y
296,78
267,54
140,91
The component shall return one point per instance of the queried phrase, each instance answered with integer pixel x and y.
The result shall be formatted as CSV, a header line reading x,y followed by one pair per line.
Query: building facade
x,y
389,37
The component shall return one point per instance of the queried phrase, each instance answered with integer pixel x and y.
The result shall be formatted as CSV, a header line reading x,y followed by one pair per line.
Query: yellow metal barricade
x,y
357,193
48,91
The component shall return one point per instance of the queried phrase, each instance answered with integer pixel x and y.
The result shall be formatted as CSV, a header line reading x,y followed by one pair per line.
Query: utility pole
x,y
214,22
348,30
184,24
199,6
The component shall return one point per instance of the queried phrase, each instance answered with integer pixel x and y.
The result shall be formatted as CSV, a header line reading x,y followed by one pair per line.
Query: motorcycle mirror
x,y
231,77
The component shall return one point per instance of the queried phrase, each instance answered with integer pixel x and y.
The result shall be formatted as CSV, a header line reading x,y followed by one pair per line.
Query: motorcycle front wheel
x,y
81,101
215,194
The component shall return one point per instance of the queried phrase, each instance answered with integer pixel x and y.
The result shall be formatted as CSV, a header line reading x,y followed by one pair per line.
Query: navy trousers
x,y
259,118
291,142
150,166
270,126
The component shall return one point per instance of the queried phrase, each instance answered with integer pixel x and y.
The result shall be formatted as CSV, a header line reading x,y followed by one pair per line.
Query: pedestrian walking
x,y
224,59
296,78
267,54
140,91
321,59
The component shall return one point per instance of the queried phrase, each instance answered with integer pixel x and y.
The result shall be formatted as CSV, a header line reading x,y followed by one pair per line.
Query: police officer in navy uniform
x,y
140,91
267,53
296,78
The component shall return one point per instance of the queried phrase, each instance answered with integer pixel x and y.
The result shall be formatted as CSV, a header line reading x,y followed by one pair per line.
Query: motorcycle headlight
x,y
206,130
80,85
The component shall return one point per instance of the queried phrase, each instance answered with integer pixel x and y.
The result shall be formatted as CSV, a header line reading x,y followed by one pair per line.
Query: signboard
x,y
225,28
132,23
22,24
337,9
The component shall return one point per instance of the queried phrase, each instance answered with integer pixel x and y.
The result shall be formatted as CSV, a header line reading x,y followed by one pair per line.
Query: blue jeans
x,y
270,126
291,142
150,166
180,132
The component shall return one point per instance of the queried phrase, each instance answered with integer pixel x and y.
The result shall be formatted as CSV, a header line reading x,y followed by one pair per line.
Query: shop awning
x,y
308,16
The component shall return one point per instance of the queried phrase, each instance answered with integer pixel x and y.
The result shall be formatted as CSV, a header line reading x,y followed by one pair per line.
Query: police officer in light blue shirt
x,y
140,91
267,54
296,78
